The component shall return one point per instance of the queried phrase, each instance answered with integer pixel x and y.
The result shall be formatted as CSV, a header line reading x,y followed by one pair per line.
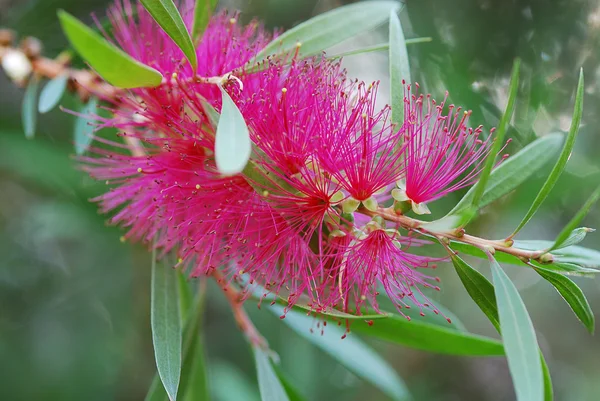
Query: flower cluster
x,y
302,220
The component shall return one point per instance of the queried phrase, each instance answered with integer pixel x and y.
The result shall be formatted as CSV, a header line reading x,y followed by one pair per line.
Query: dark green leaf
x,y
572,294
232,143
28,110
479,288
52,93
166,14
351,352
548,391
113,64
202,12
520,342
157,391
498,142
83,128
562,159
270,387
428,337
568,234
330,28
166,325
399,68
291,390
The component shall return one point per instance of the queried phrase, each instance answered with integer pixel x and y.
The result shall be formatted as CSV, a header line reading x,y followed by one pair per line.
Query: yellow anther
x,y
298,44
265,193
197,186
284,90
139,170
122,239
179,260
232,21
364,115
174,75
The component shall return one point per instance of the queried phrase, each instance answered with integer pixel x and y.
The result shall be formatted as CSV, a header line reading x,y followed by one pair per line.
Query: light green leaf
x,y
479,288
399,68
498,141
166,325
569,234
572,254
156,392
568,269
113,64
562,159
572,294
514,171
202,12
166,14
28,109
330,28
83,128
351,352
232,143
376,48
52,93
518,334
428,337
270,387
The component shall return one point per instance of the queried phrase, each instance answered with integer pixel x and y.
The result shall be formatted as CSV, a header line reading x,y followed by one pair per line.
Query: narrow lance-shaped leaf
x,y
52,93
562,159
498,141
568,233
232,143
351,352
269,385
166,14
514,171
330,28
166,325
482,292
518,334
376,48
202,12
399,68
28,109
113,64
83,128
572,294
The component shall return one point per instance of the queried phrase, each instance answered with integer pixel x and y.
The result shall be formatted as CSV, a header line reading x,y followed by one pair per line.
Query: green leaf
x,y
113,64
572,254
330,28
548,391
562,159
572,294
28,110
574,238
157,391
568,233
52,93
166,325
202,12
472,250
290,389
83,129
270,387
399,68
520,342
376,48
428,337
166,14
351,352
514,171
479,288
498,141
232,142
568,269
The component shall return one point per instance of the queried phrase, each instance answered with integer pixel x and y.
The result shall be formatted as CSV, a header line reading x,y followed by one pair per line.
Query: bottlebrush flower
x,y
442,153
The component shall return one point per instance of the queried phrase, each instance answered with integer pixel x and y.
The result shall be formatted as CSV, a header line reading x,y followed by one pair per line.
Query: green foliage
x,y
232,143
270,387
166,325
83,128
52,93
203,10
330,28
399,68
28,109
166,14
562,159
113,64
518,335
349,351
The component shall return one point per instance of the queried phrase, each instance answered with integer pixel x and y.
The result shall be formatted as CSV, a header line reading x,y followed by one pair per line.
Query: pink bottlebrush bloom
x,y
374,259
442,153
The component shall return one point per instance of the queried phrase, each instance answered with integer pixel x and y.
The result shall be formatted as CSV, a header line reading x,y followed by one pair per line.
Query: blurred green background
x,y
74,301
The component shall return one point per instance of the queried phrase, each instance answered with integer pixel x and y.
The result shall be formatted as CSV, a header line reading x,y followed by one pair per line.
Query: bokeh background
x,y
74,300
